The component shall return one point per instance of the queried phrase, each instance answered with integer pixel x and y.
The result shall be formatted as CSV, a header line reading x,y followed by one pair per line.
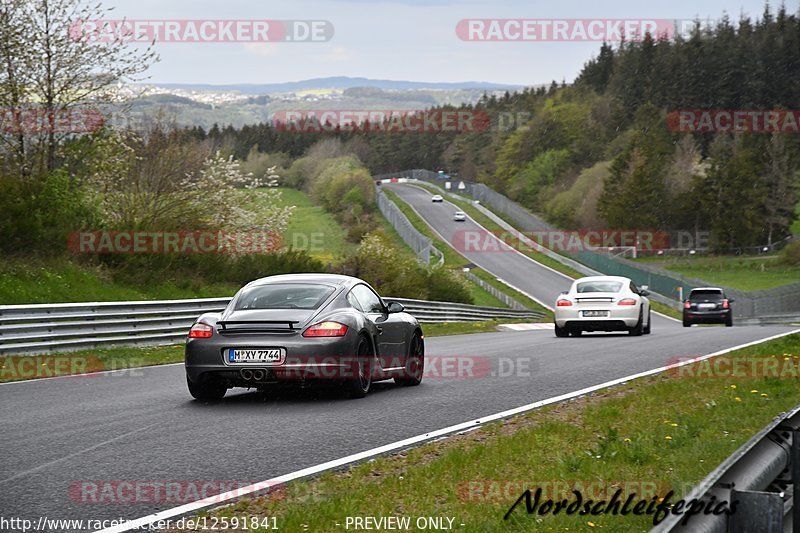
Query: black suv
x,y
707,305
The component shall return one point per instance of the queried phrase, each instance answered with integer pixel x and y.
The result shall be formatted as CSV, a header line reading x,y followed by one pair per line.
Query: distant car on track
x,y
459,216
707,305
437,198
300,327
603,303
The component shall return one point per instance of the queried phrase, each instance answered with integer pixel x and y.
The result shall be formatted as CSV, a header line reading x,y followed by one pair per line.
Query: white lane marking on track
x,y
313,470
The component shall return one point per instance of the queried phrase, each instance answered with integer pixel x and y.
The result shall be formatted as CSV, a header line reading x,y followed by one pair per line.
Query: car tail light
x,y
201,331
627,301
326,329
563,303
687,305
725,304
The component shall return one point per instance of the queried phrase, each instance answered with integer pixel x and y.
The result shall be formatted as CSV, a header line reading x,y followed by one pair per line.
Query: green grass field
x,y
647,437
30,280
311,228
740,272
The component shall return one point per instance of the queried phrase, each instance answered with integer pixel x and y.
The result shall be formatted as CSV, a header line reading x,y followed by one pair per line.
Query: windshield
x,y
706,295
283,296
599,286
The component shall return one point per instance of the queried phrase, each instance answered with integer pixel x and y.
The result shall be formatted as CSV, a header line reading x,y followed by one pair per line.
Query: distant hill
x,y
337,82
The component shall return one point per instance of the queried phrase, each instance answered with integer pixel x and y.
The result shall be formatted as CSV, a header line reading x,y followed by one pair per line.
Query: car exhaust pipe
x,y
247,374
259,375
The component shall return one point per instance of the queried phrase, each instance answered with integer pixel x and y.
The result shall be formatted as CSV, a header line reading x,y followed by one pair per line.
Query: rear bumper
x,y
318,358
618,319
707,317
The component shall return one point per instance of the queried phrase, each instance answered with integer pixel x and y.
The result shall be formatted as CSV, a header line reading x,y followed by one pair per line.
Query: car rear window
x,y
599,286
284,296
706,295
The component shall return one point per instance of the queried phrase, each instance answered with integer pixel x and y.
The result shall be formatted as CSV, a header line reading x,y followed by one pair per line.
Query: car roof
x,y
708,289
320,277
603,278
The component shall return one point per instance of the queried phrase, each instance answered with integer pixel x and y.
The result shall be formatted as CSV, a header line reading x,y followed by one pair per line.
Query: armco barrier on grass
x,y
43,328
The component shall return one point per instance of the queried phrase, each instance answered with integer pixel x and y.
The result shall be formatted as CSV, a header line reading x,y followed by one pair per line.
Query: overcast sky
x,y
402,39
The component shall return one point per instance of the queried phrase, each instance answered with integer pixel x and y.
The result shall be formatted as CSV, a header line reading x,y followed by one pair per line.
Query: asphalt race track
x,y
142,425
505,263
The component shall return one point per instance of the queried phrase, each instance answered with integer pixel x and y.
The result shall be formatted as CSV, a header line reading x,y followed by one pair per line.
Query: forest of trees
x,y
599,152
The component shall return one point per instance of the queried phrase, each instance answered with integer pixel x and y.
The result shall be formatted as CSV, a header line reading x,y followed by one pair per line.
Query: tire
x,y
687,323
729,321
359,385
561,332
647,328
208,391
638,329
415,363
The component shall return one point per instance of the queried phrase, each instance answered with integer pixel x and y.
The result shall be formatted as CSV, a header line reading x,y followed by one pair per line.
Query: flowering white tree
x,y
182,190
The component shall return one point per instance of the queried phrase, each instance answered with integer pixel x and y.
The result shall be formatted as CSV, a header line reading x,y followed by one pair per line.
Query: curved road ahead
x,y
489,253
143,426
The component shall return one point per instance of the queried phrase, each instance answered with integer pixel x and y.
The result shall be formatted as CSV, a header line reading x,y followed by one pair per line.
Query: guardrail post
x,y
795,468
756,511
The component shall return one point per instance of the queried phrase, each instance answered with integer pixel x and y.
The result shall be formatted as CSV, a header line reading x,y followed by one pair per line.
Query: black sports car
x,y
299,327
707,305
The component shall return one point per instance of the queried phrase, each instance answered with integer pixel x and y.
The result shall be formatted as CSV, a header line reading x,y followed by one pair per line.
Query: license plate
x,y
254,355
707,306
595,314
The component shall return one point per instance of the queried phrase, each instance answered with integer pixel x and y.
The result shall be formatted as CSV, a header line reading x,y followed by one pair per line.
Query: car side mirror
x,y
644,292
395,307
731,300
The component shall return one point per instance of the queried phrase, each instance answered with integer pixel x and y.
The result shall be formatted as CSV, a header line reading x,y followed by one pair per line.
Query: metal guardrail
x,y
761,477
422,245
42,328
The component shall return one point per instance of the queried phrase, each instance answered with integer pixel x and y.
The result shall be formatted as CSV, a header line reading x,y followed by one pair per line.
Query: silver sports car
x,y
299,327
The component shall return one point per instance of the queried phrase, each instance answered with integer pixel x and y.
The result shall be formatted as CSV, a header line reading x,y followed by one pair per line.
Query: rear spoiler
x,y
270,325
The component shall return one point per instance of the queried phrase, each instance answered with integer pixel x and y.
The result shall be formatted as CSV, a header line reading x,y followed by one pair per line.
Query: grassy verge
x,y
461,328
310,228
646,437
744,273
31,280
16,368
451,257
479,296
